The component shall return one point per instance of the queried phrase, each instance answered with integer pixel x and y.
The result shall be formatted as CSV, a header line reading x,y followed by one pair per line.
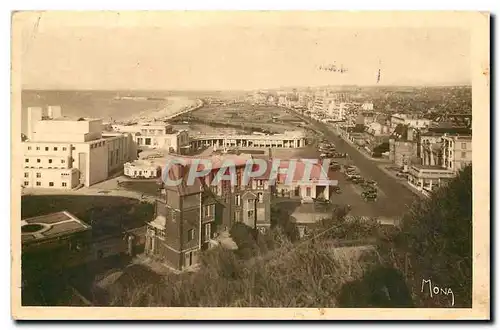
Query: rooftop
x,y
51,225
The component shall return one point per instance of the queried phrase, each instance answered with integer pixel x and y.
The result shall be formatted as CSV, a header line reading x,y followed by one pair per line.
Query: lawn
x,y
108,215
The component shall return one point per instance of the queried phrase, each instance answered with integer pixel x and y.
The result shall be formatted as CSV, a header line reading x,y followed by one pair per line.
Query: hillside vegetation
x,y
435,242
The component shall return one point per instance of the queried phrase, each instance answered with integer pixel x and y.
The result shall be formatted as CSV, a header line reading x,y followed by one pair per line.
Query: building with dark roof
x,y
190,215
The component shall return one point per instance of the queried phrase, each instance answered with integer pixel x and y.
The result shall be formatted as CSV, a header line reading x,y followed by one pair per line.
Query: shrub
x,y
436,237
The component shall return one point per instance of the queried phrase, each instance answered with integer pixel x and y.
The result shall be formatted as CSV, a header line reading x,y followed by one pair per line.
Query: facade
x,y
409,120
337,112
189,216
457,151
156,136
294,139
402,152
427,178
297,187
431,149
141,169
367,106
442,155
378,129
64,153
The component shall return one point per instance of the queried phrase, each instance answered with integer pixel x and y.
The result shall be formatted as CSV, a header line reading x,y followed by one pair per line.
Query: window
x,y
73,148
46,148
464,154
26,160
250,214
63,161
38,183
64,184
26,175
50,161
237,200
38,160
464,145
64,148
236,216
190,234
55,148
37,148
39,175
29,148
208,231
250,203
208,210
51,184
188,256
261,197
26,183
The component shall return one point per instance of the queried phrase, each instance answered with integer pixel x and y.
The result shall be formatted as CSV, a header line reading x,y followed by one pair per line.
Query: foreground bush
x,y
435,243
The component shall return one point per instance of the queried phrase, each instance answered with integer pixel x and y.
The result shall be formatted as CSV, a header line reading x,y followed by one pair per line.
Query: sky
x,y
104,53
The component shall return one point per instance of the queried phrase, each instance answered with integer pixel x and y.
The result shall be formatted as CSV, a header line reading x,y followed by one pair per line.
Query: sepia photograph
x,y
250,165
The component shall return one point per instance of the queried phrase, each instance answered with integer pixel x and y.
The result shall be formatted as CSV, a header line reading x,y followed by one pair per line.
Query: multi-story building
x,y
189,215
337,111
457,151
442,155
63,153
367,106
410,120
403,147
289,139
157,136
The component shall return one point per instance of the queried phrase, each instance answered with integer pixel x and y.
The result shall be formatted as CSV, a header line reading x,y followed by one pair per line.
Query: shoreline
x,y
163,114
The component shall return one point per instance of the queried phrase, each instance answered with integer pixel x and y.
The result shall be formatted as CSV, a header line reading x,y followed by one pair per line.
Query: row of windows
x,y
208,233
250,202
39,175
38,160
98,144
47,148
51,184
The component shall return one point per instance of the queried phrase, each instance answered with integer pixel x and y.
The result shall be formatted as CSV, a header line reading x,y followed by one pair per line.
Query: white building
x,y
367,106
63,153
337,111
141,169
454,151
289,139
411,121
157,136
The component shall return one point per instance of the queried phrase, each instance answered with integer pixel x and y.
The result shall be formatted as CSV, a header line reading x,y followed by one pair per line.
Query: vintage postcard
x,y
250,165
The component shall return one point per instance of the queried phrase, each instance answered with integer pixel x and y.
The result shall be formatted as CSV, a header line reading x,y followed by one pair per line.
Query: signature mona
x,y
435,290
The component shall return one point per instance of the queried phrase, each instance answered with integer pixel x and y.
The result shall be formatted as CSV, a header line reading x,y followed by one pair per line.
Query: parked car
x,y
334,167
337,190
321,200
358,180
402,175
371,182
369,196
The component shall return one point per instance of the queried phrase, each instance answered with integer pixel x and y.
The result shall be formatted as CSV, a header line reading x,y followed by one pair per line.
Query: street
x,y
394,200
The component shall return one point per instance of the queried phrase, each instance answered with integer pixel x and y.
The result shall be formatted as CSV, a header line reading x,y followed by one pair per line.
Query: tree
x,y
436,237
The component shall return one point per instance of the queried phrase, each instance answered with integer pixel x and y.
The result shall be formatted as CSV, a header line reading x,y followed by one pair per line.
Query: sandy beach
x,y
106,104
173,106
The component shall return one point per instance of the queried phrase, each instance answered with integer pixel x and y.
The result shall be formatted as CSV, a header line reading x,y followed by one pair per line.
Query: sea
x,y
107,105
